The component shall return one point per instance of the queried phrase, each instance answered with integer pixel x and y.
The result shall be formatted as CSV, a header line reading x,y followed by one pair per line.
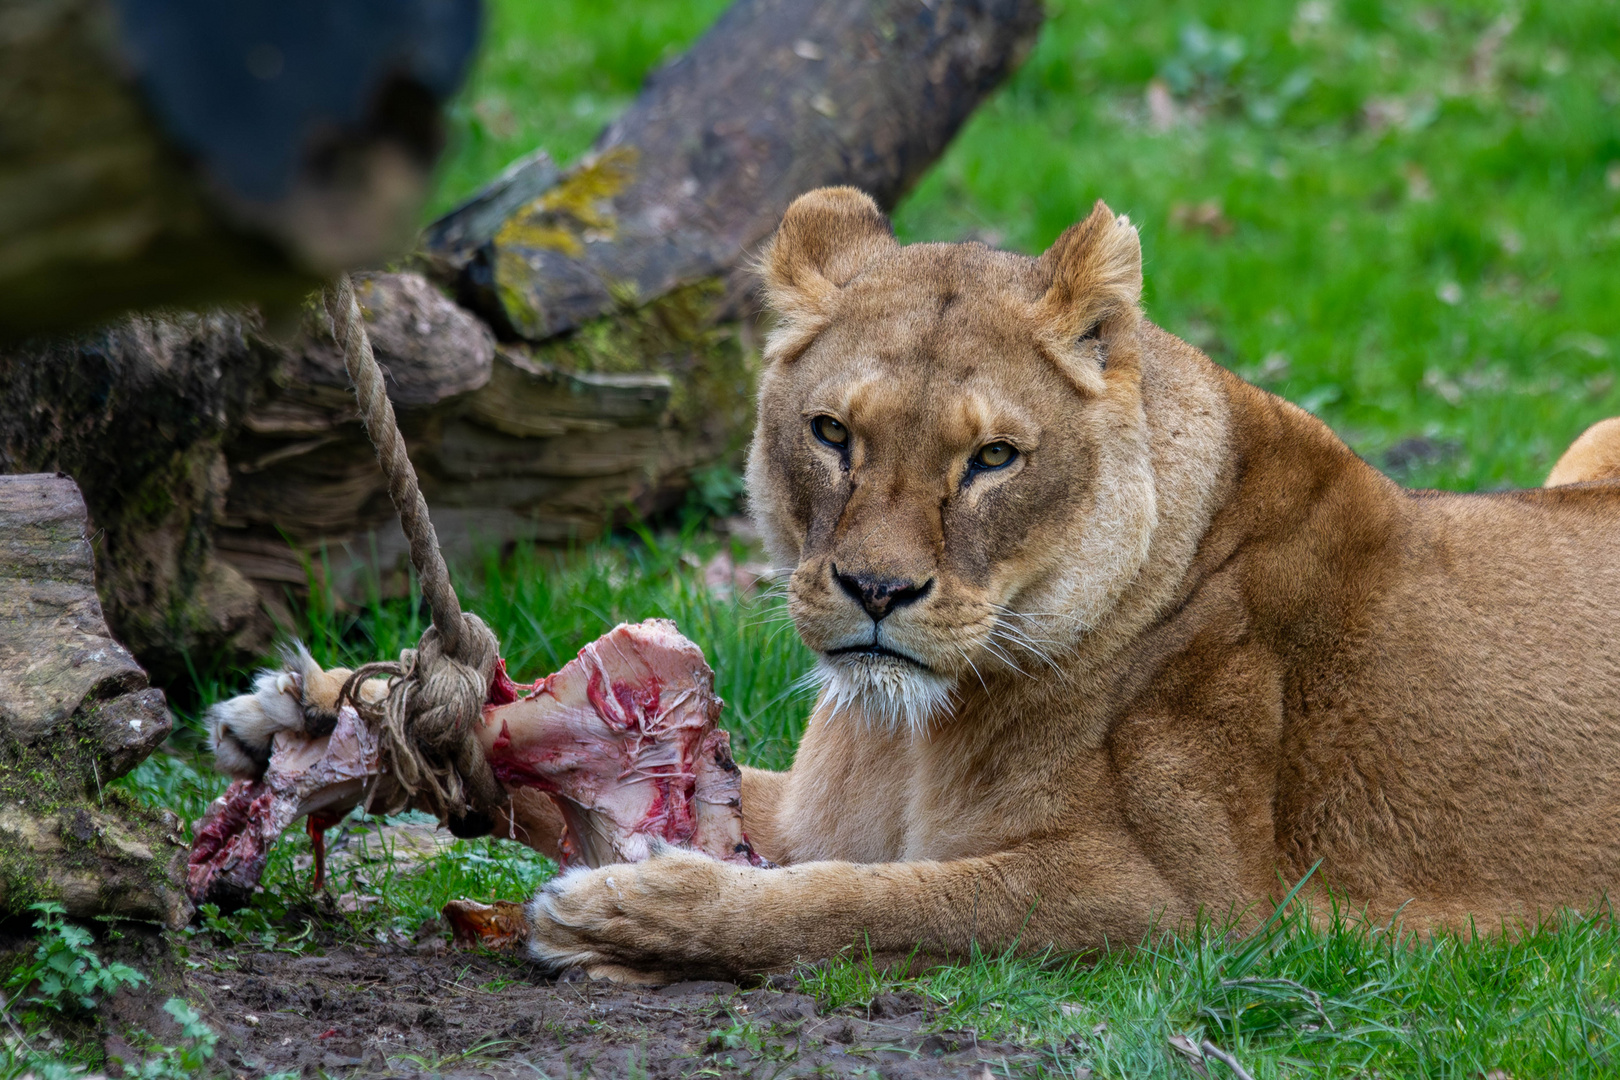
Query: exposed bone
x,y
324,777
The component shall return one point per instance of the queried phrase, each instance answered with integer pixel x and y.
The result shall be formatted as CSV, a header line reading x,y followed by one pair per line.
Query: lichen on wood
x,y
778,97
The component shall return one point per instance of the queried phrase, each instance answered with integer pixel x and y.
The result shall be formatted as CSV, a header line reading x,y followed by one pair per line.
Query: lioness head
x,y
952,454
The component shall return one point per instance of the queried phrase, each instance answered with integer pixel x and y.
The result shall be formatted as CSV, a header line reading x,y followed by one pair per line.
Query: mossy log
x,y
76,713
779,96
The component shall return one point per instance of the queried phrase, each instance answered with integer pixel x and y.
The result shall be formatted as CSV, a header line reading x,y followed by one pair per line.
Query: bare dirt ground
x,y
425,1010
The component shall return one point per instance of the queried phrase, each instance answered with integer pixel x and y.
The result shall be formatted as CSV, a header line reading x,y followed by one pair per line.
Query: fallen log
x,y
780,96
76,713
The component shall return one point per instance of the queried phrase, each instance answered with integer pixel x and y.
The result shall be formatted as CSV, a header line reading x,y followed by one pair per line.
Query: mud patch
x,y
399,1011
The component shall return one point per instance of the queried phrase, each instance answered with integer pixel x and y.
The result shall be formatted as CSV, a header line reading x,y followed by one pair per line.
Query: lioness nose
x,y
879,596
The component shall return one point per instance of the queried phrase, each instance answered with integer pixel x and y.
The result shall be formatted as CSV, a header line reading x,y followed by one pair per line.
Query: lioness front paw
x,y
648,922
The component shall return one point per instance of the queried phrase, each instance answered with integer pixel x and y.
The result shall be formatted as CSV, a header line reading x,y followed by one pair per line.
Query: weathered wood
x,y
778,97
534,400
191,152
76,712
454,239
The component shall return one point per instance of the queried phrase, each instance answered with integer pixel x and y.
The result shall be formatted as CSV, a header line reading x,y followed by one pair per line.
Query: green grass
x,y
1346,998
1405,217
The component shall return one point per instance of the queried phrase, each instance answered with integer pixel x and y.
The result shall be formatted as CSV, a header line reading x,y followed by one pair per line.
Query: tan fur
x,y
1593,456
1190,643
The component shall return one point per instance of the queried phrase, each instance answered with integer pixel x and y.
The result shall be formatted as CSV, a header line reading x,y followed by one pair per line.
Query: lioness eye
x,y
830,431
995,455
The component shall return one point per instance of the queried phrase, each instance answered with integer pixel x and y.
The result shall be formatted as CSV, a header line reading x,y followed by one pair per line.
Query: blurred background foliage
x,y
1403,216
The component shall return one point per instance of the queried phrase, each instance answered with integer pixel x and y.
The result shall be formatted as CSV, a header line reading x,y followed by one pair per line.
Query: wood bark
x,y
76,713
613,358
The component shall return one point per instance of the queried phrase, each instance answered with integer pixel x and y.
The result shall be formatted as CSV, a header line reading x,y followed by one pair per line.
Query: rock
x,y
75,713
61,675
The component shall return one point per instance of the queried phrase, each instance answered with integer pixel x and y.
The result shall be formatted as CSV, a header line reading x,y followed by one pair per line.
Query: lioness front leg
x,y
761,795
679,914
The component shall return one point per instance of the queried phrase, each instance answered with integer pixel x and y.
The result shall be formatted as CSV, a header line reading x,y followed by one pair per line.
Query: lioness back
x,y
1453,723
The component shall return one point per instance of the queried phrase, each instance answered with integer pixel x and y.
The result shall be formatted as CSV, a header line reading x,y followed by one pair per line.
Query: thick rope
x,y
436,691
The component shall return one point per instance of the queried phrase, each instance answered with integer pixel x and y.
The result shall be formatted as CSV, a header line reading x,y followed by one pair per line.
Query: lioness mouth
x,y
874,649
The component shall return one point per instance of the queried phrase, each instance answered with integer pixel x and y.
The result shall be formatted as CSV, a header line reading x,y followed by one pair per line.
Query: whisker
x,y
967,659
990,644
1037,653
1017,637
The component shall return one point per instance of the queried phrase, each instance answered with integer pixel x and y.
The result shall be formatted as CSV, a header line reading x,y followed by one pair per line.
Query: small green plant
x,y
19,1061
716,492
190,1058
252,926
66,975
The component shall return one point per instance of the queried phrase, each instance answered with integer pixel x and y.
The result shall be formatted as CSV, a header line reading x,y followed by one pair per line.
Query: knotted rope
x,y
436,691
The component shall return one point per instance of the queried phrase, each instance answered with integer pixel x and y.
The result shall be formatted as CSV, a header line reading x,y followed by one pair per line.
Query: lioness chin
x,y
1109,637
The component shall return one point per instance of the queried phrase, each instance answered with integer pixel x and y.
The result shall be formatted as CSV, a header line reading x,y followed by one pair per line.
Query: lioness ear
x,y
1096,269
825,238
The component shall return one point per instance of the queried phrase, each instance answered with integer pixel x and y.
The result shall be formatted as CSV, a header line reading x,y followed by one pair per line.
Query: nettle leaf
x,y
75,937
124,974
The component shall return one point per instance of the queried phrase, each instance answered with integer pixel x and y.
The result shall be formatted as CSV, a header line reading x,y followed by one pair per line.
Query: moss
x,y
51,791
584,193
558,219
712,371
155,498
510,267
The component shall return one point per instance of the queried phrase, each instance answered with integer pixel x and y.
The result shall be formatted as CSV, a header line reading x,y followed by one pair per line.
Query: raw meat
x,y
324,777
501,925
623,739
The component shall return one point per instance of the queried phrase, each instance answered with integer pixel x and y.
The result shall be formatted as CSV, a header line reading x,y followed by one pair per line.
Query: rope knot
x,y
451,690
427,725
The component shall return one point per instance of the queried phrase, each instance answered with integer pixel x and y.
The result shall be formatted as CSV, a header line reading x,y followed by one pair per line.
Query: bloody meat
x,y
624,739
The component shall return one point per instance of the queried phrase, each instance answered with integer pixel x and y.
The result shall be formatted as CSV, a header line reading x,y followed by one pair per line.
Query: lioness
x,y
1108,637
